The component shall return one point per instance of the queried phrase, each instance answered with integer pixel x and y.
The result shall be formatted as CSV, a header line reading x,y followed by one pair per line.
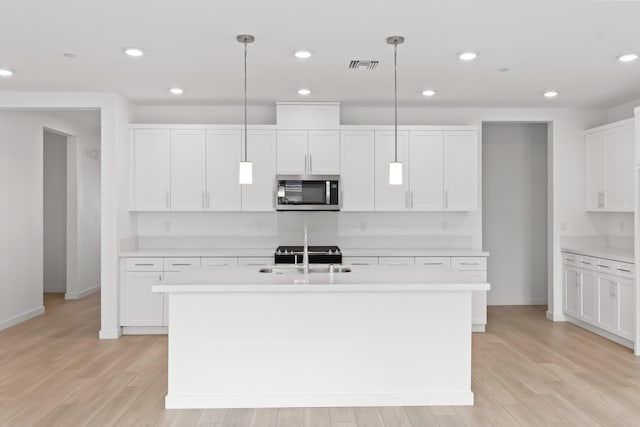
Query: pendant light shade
x,y
246,173
395,167
246,167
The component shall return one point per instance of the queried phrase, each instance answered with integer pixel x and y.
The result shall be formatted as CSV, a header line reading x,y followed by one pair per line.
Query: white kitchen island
x,y
375,336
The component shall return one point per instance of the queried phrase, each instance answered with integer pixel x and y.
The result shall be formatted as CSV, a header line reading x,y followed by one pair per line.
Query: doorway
x,y
54,212
515,216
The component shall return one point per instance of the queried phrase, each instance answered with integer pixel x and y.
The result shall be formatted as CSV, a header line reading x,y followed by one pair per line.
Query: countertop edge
x,y
297,288
600,253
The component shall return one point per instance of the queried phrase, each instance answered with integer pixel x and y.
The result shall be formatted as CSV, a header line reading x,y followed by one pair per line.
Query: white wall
x,y
21,213
515,212
622,111
55,212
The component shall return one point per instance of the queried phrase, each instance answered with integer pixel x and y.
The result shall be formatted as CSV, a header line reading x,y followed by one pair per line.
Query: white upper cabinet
x,y
426,170
357,163
260,195
609,153
324,152
293,146
391,197
223,159
188,170
302,152
150,170
308,115
461,170
595,171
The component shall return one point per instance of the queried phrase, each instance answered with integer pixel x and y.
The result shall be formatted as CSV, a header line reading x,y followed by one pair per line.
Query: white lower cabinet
x,y
600,293
140,306
475,268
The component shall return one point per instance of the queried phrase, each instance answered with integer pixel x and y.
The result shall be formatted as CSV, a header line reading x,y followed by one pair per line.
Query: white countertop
x,y
268,252
620,255
361,278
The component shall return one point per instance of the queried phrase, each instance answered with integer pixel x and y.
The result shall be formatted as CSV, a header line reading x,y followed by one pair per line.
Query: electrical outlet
x,y
260,225
363,226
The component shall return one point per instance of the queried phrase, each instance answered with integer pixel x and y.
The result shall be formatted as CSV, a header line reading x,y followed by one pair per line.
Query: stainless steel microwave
x,y
308,192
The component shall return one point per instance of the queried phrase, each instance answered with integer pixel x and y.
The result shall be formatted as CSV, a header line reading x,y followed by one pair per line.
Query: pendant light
x,y
246,167
395,167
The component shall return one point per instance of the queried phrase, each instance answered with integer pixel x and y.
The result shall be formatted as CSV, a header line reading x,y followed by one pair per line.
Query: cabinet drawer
x,y
219,262
570,259
255,261
588,263
144,264
623,269
179,264
394,261
354,260
469,263
432,261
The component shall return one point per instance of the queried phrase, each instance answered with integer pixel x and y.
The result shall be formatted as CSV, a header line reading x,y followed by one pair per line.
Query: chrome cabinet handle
x,y
446,199
406,199
604,266
143,265
469,263
310,163
622,270
341,198
208,199
570,259
306,163
585,262
203,200
432,263
183,264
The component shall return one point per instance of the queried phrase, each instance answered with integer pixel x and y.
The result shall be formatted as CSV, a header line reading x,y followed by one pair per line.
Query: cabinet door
x,y
606,302
151,165
391,197
324,152
141,306
619,168
588,288
357,165
426,170
595,170
260,195
188,173
571,291
625,308
461,170
293,146
223,160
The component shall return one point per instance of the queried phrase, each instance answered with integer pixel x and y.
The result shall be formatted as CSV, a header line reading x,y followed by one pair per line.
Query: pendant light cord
x,y
395,90
246,136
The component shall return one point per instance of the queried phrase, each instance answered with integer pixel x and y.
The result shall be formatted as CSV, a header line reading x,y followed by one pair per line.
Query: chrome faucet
x,y
305,255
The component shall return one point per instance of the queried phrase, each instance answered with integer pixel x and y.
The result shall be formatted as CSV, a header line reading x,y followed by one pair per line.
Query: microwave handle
x,y
327,192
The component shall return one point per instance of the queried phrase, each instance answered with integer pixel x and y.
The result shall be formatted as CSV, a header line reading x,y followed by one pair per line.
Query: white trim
x,y
145,330
478,327
517,301
445,398
307,103
203,126
21,317
619,123
109,334
606,334
83,293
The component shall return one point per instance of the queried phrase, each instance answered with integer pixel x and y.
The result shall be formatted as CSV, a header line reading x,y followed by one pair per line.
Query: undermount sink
x,y
300,270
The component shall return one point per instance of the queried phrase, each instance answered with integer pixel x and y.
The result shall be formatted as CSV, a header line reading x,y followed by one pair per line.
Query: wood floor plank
x,y
527,371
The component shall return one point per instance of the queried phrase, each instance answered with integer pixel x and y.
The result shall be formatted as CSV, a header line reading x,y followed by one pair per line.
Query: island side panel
x,y
286,349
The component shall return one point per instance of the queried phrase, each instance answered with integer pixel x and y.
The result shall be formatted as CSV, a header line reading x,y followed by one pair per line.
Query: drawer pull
x,y
252,263
432,263
360,263
396,263
144,265
604,266
585,262
183,264
570,259
622,270
469,263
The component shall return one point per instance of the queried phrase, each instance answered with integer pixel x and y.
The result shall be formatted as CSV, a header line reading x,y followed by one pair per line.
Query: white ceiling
x,y
568,46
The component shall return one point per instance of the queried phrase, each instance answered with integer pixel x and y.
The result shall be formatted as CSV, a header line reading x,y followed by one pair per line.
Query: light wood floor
x,y
526,371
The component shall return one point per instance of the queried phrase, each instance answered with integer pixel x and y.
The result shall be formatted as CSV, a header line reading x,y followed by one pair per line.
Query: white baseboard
x,y
109,334
608,335
445,398
83,293
145,330
4,324
478,327
517,301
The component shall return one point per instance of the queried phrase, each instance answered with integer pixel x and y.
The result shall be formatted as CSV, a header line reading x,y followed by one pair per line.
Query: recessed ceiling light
x,y
5,72
550,94
304,92
428,92
133,51
302,54
628,57
468,56
176,91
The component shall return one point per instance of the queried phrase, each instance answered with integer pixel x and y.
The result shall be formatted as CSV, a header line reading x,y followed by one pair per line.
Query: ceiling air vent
x,y
357,64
